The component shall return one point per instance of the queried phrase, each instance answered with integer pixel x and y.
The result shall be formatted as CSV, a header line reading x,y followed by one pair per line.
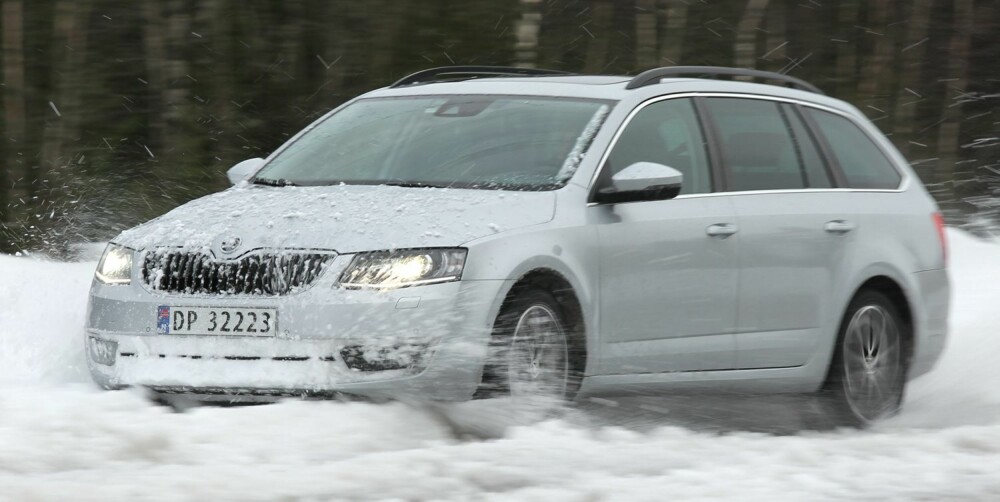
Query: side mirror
x,y
642,181
243,170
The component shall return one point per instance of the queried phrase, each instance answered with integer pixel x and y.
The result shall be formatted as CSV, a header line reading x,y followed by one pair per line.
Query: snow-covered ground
x,y
62,439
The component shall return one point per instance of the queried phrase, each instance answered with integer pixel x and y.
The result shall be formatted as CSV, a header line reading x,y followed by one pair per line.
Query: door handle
x,y
721,230
839,226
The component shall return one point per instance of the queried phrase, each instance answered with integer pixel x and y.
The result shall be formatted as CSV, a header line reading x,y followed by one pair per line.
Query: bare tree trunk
x,y
220,25
526,30
71,40
337,62
645,34
873,82
13,69
672,39
177,79
913,54
745,48
958,69
13,101
206,103
776,35
383,37
597,49
291,40
155,49
847,51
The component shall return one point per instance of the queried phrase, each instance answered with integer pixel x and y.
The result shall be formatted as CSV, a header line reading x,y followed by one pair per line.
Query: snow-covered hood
x,y
343,218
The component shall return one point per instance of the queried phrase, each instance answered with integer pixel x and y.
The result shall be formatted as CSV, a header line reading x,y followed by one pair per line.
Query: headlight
x,y
400,269
115,266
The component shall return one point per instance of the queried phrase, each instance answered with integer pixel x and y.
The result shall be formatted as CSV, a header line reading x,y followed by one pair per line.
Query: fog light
x,y
103,351
359,358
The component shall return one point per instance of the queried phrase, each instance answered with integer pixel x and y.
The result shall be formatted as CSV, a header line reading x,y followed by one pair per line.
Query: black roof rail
x,y
653,76
467,72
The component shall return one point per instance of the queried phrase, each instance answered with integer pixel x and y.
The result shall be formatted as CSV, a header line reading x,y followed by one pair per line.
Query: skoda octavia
x,y
472,232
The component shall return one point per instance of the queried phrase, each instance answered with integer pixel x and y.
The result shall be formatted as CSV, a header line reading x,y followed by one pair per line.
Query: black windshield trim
x,y
280,182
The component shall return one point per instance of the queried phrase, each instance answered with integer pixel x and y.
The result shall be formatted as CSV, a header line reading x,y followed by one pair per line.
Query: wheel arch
x,y
569,302
895,292
888,284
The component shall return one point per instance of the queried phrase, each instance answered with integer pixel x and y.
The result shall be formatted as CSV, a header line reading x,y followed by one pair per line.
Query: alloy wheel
x,y
873,363
538,361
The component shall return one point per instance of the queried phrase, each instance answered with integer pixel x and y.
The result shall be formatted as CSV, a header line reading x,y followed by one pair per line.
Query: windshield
x,y
488,142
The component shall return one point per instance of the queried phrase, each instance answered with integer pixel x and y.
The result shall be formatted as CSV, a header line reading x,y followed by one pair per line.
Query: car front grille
x,y
259,273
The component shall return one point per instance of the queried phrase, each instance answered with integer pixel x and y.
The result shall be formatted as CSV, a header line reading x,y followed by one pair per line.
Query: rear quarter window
x,y
862,162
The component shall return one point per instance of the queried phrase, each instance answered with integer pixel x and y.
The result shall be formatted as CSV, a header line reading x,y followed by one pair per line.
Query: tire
x,y
531,352
867,375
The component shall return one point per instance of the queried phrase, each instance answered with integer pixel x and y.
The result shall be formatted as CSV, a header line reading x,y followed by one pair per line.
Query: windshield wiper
x,y
413,184
280,182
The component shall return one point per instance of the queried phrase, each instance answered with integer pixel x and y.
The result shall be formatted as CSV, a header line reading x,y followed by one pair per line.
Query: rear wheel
x,y
530,352
868,372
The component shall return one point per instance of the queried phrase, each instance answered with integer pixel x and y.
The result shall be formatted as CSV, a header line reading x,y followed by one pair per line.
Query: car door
x,y
668,274
794,236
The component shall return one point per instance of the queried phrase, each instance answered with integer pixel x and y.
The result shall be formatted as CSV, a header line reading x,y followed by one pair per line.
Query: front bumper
x,y
449,369
425,343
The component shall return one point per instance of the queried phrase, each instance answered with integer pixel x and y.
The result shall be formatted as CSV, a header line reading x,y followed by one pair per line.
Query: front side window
x,y
862,162
760,147
665,132
486,142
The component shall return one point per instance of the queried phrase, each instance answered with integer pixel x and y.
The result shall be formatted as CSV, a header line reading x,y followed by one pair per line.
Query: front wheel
x,y
530,352
868,372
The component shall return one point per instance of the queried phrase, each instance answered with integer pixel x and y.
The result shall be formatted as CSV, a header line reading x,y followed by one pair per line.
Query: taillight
x,y
942,238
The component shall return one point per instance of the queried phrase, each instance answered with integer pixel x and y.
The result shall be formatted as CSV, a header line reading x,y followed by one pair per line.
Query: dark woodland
x,y
115,111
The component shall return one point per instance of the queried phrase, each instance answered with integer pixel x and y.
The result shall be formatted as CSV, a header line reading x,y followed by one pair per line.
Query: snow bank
x,y
60,439
42,304
964,388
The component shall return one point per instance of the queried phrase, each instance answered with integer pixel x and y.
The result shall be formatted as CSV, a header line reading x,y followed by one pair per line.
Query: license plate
x,y
216,321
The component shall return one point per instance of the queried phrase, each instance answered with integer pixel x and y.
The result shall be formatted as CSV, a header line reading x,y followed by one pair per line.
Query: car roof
x,y
608,87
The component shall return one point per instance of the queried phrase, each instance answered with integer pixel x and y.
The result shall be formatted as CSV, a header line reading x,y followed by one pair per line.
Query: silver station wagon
x,y
473,232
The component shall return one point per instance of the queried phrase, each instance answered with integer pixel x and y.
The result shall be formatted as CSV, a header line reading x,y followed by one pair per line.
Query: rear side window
x,y
764,147
862,162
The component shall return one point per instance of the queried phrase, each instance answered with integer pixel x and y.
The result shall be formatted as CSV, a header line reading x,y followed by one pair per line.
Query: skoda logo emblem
x,y
230,244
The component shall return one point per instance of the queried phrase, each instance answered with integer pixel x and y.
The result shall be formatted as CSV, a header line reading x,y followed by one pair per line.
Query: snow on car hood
x,y
344,218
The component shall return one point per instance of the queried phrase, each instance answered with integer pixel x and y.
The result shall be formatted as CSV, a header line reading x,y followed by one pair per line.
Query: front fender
x,y
568,251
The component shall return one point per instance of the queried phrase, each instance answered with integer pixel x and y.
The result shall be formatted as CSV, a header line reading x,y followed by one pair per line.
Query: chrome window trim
x,y
905,177
776,192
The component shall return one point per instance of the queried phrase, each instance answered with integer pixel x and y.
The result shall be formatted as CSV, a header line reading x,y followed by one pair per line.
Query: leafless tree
x,y
155,48
873,83
745,48
675,13
912,55
70,37
599,31
13,94
847,49
776,35
645,34
526,30
958,69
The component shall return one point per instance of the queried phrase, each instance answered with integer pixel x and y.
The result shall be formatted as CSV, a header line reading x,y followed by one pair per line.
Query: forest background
x,y
115,111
